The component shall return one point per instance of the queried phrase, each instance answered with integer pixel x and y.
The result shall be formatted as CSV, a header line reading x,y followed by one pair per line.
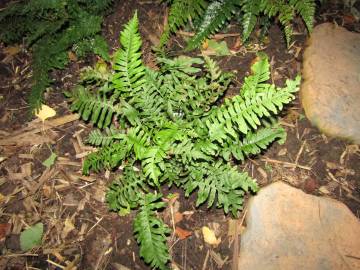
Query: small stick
x,y
206,260
286,163
216,36
299,153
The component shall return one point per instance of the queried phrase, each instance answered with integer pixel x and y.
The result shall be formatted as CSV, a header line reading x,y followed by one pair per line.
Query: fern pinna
x,y
212,15
170,130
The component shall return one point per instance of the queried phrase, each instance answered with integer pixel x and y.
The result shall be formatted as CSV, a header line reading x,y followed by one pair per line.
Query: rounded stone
x,y
330,93
288,229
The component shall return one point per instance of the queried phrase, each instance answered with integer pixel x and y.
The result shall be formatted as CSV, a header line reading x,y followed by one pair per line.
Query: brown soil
x,y
79,229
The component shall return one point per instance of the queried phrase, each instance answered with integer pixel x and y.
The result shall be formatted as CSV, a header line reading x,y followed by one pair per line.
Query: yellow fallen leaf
x,y
209,236
68,227
45,112
12,50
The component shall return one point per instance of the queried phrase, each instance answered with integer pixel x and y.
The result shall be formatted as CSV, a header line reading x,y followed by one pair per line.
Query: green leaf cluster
x,y
166,126
212,15
51,28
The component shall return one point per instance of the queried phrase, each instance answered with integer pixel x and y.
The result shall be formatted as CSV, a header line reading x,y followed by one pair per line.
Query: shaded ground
x,y
79,230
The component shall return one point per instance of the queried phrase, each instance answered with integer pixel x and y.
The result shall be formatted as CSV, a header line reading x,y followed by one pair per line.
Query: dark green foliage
x,y
251,12
179,14
50,28
172,131
151,232
215,16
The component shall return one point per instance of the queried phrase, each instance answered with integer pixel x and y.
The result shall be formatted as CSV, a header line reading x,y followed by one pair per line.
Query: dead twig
x,y
216,36
286,163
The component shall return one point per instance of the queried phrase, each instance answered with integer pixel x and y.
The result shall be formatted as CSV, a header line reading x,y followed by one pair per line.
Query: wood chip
x,y
26,156
28,135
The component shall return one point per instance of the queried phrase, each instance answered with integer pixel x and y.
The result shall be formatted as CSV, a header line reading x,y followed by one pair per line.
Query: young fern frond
x,y
129,75
256,82
150,232
215,16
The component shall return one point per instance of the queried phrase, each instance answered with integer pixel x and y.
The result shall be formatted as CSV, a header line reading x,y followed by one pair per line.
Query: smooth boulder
x,y
330,93
288,229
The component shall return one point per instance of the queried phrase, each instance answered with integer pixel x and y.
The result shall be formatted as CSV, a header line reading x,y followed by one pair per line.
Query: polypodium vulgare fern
x,y
171,130
218,12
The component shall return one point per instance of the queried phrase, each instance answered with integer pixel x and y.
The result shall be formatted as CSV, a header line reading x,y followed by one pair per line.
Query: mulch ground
x,y
80,232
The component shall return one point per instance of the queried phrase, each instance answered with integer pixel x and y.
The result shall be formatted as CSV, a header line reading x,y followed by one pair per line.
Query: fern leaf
x,y
180,12
286,15
151,232
95,108
244,113
152,163
254,142
107,157
251,10
215,16
129,75
256,82
127,190
97,138
306,9
220,182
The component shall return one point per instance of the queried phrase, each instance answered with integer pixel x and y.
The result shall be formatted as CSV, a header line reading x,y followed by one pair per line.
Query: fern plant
x,y
51,29
170,131
219,12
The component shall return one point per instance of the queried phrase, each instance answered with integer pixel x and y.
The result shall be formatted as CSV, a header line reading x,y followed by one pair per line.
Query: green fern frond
x,y
137,140
96,44
251,11
306,9
94,108
215,16
107,157
181,11
152,163
253,143
243,113
151,232
129,75
286,15
219,182
126,192
97,138
256,82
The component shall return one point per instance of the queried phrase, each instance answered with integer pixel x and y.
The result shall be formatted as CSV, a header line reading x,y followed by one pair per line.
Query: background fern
x,y
172,131
50,29
218,12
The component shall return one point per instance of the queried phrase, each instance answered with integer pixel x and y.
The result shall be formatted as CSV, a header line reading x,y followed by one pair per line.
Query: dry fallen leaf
x,y
181,233
68,227
209,236
178,217
5,229
45,112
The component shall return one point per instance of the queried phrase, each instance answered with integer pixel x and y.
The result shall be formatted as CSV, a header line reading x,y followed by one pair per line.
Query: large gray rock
x,y
330,93
290,230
